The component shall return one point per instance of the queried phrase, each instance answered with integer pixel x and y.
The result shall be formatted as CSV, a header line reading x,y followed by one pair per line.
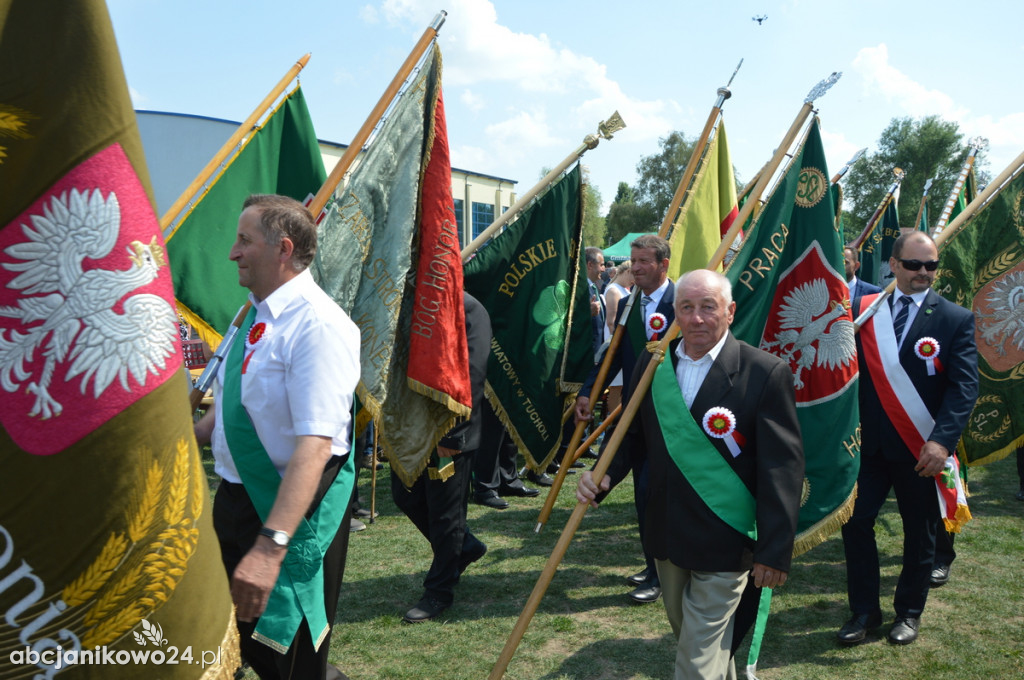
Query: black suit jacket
x,y
862,287
758,388
625,357
949,394
466,435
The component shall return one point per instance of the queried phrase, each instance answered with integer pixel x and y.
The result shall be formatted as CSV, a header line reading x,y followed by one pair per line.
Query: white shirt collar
x,y
657,294
712,353
283,295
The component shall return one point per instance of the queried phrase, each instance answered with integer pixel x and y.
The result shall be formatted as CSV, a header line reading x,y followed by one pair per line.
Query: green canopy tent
x,y
619,251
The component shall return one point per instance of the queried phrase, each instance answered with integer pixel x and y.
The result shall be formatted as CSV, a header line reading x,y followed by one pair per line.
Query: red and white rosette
x,y
927,349
256,333
720,423
656,324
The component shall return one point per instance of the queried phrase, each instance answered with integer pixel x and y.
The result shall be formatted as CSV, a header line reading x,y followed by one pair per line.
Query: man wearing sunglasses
x,y
919,381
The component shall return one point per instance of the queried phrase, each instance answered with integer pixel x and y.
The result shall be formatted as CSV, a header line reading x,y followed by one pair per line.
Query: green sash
x,y
299,591
708,473
636,327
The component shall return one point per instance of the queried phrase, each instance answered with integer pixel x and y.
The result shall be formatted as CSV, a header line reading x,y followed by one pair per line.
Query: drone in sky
x,y
759,19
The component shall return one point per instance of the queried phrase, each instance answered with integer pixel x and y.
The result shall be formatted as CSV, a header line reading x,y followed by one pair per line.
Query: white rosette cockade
x,y
656,324
256,333
720,423
927,349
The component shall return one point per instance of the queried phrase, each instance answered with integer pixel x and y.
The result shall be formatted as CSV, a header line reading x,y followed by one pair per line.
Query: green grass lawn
x,y
586,627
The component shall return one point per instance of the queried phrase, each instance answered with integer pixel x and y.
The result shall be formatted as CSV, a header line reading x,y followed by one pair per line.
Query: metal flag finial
x,y
614,123
900,173
823,87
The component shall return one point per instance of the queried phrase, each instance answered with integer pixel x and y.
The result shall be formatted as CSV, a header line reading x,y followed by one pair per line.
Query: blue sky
x,y
525,81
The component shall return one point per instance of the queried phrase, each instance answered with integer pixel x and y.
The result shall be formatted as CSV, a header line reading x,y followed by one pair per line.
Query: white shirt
x,y
690,373
918,298
652,306
302,373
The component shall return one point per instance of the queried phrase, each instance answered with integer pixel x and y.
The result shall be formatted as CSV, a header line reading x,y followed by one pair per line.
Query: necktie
x,y
901,317
646,300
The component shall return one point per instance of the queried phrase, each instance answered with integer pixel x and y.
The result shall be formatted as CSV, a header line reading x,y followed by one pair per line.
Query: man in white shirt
x,y
281,510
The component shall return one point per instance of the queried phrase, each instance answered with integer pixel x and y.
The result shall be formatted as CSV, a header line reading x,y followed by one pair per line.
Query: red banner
x,y
438,356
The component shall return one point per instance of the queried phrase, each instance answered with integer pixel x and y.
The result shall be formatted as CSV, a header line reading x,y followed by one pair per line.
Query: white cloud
x,y
471,100
522,133
368,13
1005,134
481,52
838,150
138,99
872,63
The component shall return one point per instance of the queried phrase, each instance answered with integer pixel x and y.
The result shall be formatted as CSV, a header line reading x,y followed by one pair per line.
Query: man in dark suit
x,y
437,501
720,432
598,313
649,257
851,258
919,381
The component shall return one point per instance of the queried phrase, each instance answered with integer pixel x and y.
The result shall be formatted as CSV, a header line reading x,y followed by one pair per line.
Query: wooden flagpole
x,y
849,164
666,225
230,146
696,156
628,413
954,194
924,200
979,202
356,145
858,242
320,200
605,129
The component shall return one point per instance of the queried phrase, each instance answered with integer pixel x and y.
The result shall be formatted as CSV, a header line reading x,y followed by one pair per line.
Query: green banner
x,y
532,281
793,301
106,541
877,247
982,268
282,157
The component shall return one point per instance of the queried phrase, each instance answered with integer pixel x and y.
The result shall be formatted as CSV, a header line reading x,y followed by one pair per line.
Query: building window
x,y
458,220
483,216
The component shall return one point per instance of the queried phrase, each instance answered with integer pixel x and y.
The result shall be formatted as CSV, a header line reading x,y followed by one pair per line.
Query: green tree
x,y
659,175
625,216
924,148
594,230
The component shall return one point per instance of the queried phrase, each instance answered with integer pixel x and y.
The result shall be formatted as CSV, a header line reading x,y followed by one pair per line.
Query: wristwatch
x,y
279,538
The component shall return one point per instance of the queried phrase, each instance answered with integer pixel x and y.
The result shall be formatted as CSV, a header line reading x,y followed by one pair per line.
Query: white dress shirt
x,y
302,374
690,373
652,306
918,298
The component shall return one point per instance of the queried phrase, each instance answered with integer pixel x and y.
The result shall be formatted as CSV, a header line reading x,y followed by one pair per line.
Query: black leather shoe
x,y
578,464
1020,495
646,593
491,502
940,575
904,630
856,629
426,609
543,479
640,578
469,557
519,490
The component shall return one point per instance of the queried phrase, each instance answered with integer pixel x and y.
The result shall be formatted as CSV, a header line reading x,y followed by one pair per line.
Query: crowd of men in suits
x,y
715,450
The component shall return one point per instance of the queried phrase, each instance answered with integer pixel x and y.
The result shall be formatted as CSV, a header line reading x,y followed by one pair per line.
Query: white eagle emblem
x,y
73,309
1007,313
806,337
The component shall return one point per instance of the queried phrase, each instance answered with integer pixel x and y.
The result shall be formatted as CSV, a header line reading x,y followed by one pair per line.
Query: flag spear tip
x,y
607,128
823,87
438,21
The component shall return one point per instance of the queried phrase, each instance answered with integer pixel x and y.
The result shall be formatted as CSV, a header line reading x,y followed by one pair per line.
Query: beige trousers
x,y
701,607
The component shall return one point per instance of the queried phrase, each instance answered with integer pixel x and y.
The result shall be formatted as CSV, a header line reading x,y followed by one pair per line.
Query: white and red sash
x,y
907,411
